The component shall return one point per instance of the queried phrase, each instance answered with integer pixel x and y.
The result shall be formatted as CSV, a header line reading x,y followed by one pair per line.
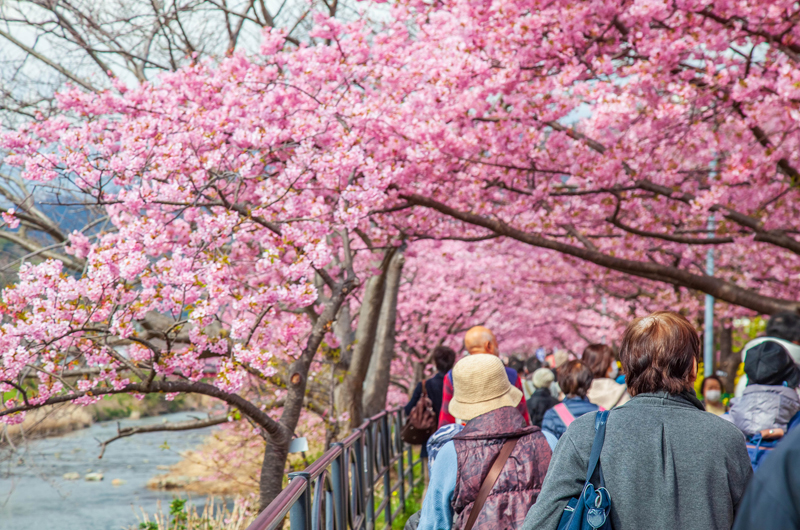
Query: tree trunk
x,y
349,393
729,361
419,375
342,328
377,381
272,467
278,446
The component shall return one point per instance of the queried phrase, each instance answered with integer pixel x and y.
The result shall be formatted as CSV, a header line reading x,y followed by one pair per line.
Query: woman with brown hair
x,y
656,472
575,379
605,391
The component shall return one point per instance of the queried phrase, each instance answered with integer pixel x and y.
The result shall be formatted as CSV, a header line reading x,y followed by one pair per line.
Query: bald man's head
x,y
481,340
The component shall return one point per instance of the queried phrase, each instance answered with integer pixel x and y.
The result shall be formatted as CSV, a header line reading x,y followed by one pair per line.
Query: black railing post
x,y
410,460
345,480
300,513
398,443
358,500
387,479
369,456
339,481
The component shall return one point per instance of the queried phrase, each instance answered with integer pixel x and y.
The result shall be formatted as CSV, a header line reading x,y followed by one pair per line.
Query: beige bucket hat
x,y
480,385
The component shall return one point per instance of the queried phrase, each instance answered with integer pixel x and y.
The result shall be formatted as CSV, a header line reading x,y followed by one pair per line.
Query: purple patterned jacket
x,y
519,483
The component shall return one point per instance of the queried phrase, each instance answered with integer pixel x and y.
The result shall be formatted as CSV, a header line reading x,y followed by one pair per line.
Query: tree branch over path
x,y
776,237
716,287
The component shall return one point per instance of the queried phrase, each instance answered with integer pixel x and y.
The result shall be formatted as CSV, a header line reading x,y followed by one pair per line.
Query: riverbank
x,y
228,463
60,419
43,483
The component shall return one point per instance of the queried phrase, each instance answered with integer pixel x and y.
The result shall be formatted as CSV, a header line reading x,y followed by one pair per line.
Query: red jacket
x,y
445,418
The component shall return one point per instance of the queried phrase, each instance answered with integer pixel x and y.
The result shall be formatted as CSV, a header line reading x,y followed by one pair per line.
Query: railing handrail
x,y
347,474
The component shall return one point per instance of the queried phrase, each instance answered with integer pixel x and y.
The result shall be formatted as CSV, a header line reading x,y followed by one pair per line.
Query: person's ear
x,y
694,372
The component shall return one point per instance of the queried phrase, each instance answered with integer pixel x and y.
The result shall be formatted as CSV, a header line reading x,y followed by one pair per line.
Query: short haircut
x,y
598,357
784,325
532,364
517,364
575,378
711,378
658,353
444,358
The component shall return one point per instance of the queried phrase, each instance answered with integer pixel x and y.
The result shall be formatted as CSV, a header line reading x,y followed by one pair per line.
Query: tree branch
x,y
188,425
261,418
716,287
66,73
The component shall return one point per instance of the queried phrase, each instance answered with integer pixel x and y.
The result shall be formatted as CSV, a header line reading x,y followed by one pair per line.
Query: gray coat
x,y
667,464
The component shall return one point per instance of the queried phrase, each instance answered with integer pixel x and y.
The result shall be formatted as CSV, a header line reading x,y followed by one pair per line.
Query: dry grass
x,y
226,464
214,516
229,462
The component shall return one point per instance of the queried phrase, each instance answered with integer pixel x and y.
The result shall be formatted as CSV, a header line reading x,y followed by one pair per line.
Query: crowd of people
x,y
552,443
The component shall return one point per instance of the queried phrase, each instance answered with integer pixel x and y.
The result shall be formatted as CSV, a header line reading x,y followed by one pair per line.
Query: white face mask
x,y
613,371
555,390
713,396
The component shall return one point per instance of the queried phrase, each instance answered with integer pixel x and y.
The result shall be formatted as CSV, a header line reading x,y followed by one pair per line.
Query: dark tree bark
x,y
378,375
729,361
277,447
349,393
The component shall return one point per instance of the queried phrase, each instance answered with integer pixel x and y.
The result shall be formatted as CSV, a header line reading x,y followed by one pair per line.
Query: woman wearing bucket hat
x,y
487,401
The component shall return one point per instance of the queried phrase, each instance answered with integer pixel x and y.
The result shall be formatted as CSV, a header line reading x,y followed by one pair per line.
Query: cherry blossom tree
x,y
546,168
610,132
228,239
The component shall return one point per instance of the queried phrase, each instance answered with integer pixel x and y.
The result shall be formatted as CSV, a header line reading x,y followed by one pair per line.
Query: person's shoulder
x,y
550,414
717,428
512,374
580,432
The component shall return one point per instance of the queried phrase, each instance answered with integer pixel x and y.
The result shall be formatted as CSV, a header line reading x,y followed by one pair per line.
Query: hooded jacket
x,y
792,349
764,407
607,393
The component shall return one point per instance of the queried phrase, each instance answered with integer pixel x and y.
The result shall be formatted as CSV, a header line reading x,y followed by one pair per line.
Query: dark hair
x,y
516,363
575,378
444,358
711,378
598,357
658,353
532,364
784,325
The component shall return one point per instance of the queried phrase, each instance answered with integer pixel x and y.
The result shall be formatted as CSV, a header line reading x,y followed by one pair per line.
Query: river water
x,y
34,494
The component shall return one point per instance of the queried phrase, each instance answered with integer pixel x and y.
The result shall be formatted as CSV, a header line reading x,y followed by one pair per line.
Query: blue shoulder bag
x,y
591,510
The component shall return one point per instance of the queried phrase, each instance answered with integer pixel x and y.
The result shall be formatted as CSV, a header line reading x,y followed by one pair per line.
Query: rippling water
x,y
34,494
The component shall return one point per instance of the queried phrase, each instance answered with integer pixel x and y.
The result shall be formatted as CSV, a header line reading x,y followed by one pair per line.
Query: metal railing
x,y
338,491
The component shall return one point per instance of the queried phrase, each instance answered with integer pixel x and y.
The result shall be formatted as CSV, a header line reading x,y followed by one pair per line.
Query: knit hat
x,y
769,363
481,385
543,378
